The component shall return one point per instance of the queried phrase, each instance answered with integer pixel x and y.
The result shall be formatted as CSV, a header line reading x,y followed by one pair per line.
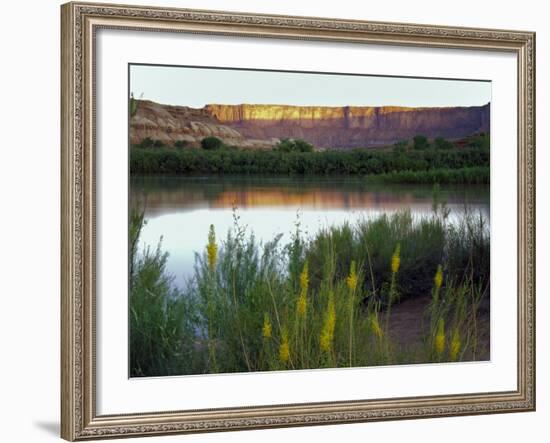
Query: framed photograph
x,y
283,221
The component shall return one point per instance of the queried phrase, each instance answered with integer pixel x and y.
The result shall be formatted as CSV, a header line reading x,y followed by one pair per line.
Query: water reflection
x,y
181,209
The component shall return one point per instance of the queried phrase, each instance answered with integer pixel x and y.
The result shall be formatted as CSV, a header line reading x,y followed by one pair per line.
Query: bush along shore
x,y
354,162
467,176
321,301
414,161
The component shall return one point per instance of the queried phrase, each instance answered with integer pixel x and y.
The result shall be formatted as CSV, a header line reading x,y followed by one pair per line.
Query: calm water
x,y
181,209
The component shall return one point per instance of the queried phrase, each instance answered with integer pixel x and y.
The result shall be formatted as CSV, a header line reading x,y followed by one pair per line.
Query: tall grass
x,y
321,301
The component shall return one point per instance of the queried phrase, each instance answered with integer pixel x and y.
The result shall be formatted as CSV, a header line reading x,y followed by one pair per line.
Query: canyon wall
x,y
349,126
169,124
260,126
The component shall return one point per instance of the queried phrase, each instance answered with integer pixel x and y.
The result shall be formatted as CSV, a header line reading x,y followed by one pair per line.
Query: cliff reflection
x,y
165,195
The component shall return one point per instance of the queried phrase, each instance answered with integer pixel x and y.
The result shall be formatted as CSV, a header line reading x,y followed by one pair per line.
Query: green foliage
x,y
147,142
469,242
471,176
294,145
316,302
353,162
211,143
420,142
162,320
441,143
372,244
180,144
136,225
481,141
400,147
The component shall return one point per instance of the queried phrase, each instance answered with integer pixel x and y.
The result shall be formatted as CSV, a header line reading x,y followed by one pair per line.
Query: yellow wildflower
x,y
375,326
304,284
212,249
304,279
454,347
440,338
284,348
438,279
267,329
396,259
301,305
327,333
351,279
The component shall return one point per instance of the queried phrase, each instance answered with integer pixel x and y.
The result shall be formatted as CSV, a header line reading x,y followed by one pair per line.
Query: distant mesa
x,y
259,126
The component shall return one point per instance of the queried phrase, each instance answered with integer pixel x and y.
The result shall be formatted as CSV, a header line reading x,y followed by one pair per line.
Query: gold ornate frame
x,y
79,22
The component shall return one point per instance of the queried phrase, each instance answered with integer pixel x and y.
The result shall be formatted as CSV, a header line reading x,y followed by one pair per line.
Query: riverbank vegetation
x,y
162,160
325,300
466,176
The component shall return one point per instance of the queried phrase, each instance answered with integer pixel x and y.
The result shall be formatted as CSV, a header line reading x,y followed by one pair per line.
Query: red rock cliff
x,y
350,126
259,126
172,123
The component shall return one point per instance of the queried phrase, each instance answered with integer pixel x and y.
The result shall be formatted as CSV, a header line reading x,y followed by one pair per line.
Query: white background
x,y
29,242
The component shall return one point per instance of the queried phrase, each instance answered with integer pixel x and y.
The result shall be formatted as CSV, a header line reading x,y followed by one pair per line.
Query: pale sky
x,y
196,87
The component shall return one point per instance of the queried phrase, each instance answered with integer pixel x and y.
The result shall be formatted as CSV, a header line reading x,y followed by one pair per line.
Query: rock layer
x,y
260,126
169,124
349,126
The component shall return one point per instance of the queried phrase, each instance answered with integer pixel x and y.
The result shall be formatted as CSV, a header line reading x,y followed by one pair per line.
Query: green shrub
x,y
400,147
317,302
441,143
481,141
357,161
147,142
420,142
211,143
162,319
293,145
471,175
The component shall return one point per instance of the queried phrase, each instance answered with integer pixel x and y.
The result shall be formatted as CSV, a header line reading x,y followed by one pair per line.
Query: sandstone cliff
x,y
348,127
260,126
172,123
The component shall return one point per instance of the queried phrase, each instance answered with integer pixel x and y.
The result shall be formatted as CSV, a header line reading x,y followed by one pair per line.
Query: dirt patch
x,y
409,326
